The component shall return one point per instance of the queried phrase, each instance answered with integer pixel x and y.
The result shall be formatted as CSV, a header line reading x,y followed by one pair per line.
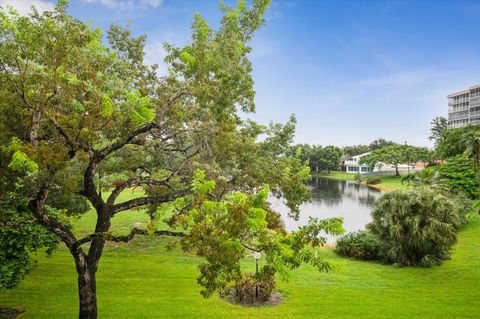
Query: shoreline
x,y
387,183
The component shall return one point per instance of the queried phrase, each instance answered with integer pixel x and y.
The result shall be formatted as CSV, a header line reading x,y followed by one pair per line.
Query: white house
x,y
353,166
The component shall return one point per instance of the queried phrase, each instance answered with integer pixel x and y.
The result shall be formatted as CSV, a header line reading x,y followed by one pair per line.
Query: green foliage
x,y
19,236
360,245
200,185
396,154
452,142
379,143
21,162
415,227
458,175
223,232
438,130
97,121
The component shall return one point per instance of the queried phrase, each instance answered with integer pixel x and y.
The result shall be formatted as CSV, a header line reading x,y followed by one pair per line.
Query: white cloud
x,y
24,7
127,4
154,54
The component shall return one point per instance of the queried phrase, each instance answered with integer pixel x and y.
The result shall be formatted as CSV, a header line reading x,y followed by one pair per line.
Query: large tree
x,y
396,154
329,157
438,130
82,121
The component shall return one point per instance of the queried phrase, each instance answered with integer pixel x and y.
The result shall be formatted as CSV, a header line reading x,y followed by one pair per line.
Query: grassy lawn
x,y
142,279
390,183
339,175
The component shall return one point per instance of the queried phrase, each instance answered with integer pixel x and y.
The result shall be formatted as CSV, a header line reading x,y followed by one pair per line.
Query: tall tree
x,y
453,142
356,150
81,122
380,143
438,129
329,157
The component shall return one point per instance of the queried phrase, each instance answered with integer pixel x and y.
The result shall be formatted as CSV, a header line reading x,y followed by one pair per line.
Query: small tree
x,y
415,227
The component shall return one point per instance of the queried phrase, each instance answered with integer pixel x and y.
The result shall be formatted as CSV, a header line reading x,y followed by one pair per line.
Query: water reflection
x,y
333,198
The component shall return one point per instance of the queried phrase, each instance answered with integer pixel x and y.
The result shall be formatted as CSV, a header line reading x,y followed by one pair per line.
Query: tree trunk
x,y
87,296
35,127
397,173
86,288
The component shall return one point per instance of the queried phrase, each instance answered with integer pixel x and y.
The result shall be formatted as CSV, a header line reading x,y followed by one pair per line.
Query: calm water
x,y
332,198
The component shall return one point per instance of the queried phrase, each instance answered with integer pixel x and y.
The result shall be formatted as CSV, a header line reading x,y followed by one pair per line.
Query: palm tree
x,y
415,227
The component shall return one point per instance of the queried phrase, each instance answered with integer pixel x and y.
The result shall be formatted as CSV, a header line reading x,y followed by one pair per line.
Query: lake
x,y
334,198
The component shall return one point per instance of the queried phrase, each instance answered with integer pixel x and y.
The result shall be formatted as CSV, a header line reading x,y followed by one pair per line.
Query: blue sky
x,y
351,71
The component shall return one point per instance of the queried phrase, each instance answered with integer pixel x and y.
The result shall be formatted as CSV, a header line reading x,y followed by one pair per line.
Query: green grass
x,y
390,183
144,280
339,175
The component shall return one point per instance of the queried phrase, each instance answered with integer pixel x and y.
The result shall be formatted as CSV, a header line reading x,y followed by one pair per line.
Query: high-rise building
x,y
464,107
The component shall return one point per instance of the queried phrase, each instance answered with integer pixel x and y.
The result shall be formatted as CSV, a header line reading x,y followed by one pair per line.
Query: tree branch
x,y
48,221
127,238
147,200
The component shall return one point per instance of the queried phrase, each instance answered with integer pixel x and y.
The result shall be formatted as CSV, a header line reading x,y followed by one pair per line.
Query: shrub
x,y
415,227
458,175
357,177
360,245
245,288
407,179
463,205
373,180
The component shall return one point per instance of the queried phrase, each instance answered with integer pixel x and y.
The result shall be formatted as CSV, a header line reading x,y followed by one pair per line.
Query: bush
x,y
415,227
357,177
373,180
409,178
458,175
245,288
360,245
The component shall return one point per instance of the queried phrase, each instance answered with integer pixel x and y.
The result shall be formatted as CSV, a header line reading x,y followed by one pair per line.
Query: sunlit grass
x,y
143,279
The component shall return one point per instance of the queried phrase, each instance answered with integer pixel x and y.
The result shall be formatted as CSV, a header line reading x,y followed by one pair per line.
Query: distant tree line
x,y
328,158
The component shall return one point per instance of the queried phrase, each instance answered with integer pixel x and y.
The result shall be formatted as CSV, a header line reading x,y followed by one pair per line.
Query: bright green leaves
x,y
107,106
139,108
200,185
21,162
188,59
261,197
19,236
201,29
256,219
